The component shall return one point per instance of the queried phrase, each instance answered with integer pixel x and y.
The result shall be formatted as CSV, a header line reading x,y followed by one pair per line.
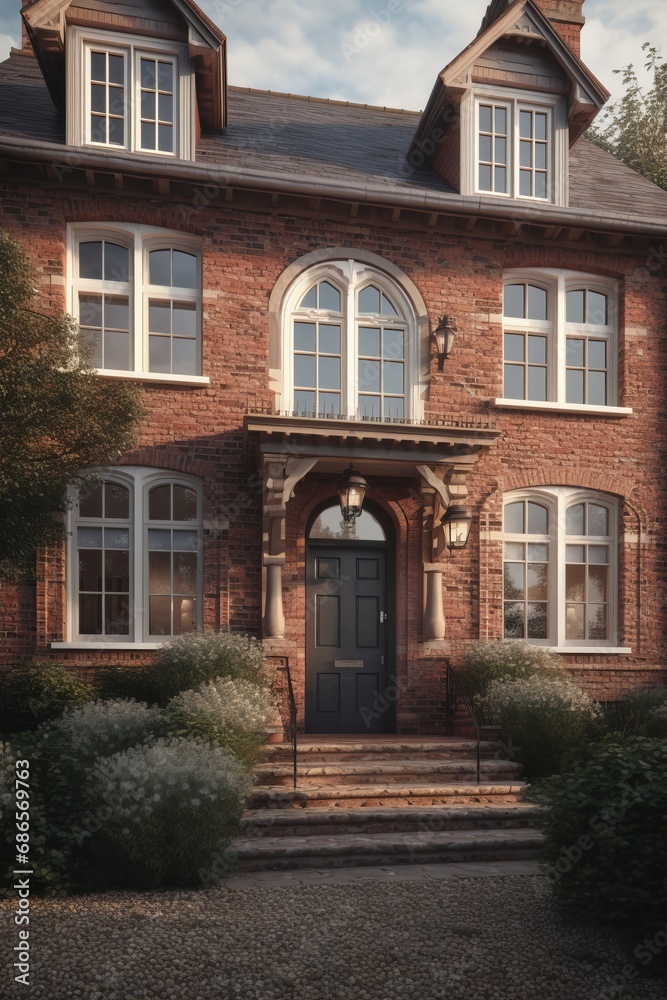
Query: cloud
x,y
390,51
6,43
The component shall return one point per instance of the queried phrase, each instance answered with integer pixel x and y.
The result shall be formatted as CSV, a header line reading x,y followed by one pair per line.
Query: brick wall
x,y
199,430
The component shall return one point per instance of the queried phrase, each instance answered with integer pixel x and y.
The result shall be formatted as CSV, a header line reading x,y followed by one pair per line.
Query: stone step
x,y
384,771
284,853
334,822
339,752
396,795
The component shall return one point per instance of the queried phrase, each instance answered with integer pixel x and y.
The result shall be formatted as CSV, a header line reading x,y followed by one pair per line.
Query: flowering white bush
x,y
174,805
542,718
537,692
227,712
484,662
190,660
102,728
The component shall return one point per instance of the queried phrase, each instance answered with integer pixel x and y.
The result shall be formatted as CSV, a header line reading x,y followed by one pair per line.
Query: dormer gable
x,y
503,114
136,75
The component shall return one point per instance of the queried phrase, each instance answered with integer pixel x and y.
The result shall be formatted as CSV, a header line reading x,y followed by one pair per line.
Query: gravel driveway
x,y
461,938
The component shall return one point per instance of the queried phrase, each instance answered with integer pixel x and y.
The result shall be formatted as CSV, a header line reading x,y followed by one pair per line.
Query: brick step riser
x,y
428,857
335,780
388,801
258,831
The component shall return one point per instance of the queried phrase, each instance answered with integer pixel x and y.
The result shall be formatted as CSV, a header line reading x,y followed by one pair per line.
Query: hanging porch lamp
x,y
352,490
456,525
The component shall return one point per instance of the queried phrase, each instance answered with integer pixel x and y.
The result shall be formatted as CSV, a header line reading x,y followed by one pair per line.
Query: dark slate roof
x,y
298,136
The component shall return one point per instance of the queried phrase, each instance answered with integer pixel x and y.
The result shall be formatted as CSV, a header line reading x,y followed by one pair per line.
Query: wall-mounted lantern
x,y
352,490
443,338
456,525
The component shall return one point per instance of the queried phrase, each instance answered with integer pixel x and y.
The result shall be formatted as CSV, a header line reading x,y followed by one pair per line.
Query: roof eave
x,y
314,186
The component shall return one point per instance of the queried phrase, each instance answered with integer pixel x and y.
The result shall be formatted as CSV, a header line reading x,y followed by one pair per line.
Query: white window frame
x,y
139,480
81,41
515,101
140,240
558,283
350,277
557,499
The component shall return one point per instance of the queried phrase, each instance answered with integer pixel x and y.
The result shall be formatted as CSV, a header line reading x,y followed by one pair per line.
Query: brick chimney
x,y
565,15
26,45
567,19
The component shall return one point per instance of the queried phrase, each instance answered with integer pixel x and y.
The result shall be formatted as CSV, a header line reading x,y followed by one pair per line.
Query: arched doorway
x,y
349,622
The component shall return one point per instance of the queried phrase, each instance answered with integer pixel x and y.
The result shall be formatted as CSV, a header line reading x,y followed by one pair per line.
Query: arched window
x,y
135,558
350,345
559,331
559,588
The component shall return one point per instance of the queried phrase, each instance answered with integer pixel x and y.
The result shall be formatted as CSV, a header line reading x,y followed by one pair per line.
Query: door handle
x,y
383,617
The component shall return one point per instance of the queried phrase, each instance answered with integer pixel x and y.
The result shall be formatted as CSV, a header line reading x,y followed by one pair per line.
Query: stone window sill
x,y
107,645
156,377
531,404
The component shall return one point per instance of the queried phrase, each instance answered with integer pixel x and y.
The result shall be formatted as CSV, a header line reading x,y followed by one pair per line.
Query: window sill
x,y
592,650
157,378
107,645
531,404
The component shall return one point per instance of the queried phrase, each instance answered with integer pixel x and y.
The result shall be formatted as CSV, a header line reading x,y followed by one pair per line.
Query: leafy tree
x,y
634,128
57,417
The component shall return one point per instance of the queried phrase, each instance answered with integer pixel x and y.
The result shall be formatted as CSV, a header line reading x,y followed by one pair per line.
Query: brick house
x,y
466,304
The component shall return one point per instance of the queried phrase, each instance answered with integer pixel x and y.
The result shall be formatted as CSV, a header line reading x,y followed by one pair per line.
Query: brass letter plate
x,y
349,664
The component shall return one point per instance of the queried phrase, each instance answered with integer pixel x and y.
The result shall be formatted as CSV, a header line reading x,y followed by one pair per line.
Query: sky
x,y
386,52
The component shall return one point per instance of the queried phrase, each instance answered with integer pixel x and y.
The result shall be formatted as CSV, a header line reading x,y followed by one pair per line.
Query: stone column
x,y
281,474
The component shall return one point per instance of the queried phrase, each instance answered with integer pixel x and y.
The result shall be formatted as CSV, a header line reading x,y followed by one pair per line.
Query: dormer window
x,y
516,151
130,93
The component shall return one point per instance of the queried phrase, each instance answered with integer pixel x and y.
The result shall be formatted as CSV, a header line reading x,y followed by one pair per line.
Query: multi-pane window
x,y
157,108
381,358
494,147
349,349
559,568
137,296
526,570
318,348
173,311
559,339
588,566
107,98
103,561
104,308
514,149
533,154
173,545
136,558
588,333
526,347
133,96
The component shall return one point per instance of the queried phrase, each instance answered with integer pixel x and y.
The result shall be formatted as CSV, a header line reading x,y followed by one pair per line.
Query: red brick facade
x,y
458,270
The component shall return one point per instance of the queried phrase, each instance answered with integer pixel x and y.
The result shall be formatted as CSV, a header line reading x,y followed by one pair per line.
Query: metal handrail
x,y
455,693
292,717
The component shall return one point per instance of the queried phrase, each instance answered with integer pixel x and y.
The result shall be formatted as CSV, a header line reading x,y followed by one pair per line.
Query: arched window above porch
x,y
349,340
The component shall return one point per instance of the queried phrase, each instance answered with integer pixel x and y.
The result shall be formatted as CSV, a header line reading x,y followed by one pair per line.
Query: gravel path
x,y
461,938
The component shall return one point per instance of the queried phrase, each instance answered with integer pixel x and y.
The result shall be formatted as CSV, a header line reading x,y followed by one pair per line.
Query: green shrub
x,y
124,682
635,715
35,692
191,660
225,712
656,725
542,718
103,728
484,662
172,809
605,831
63,814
